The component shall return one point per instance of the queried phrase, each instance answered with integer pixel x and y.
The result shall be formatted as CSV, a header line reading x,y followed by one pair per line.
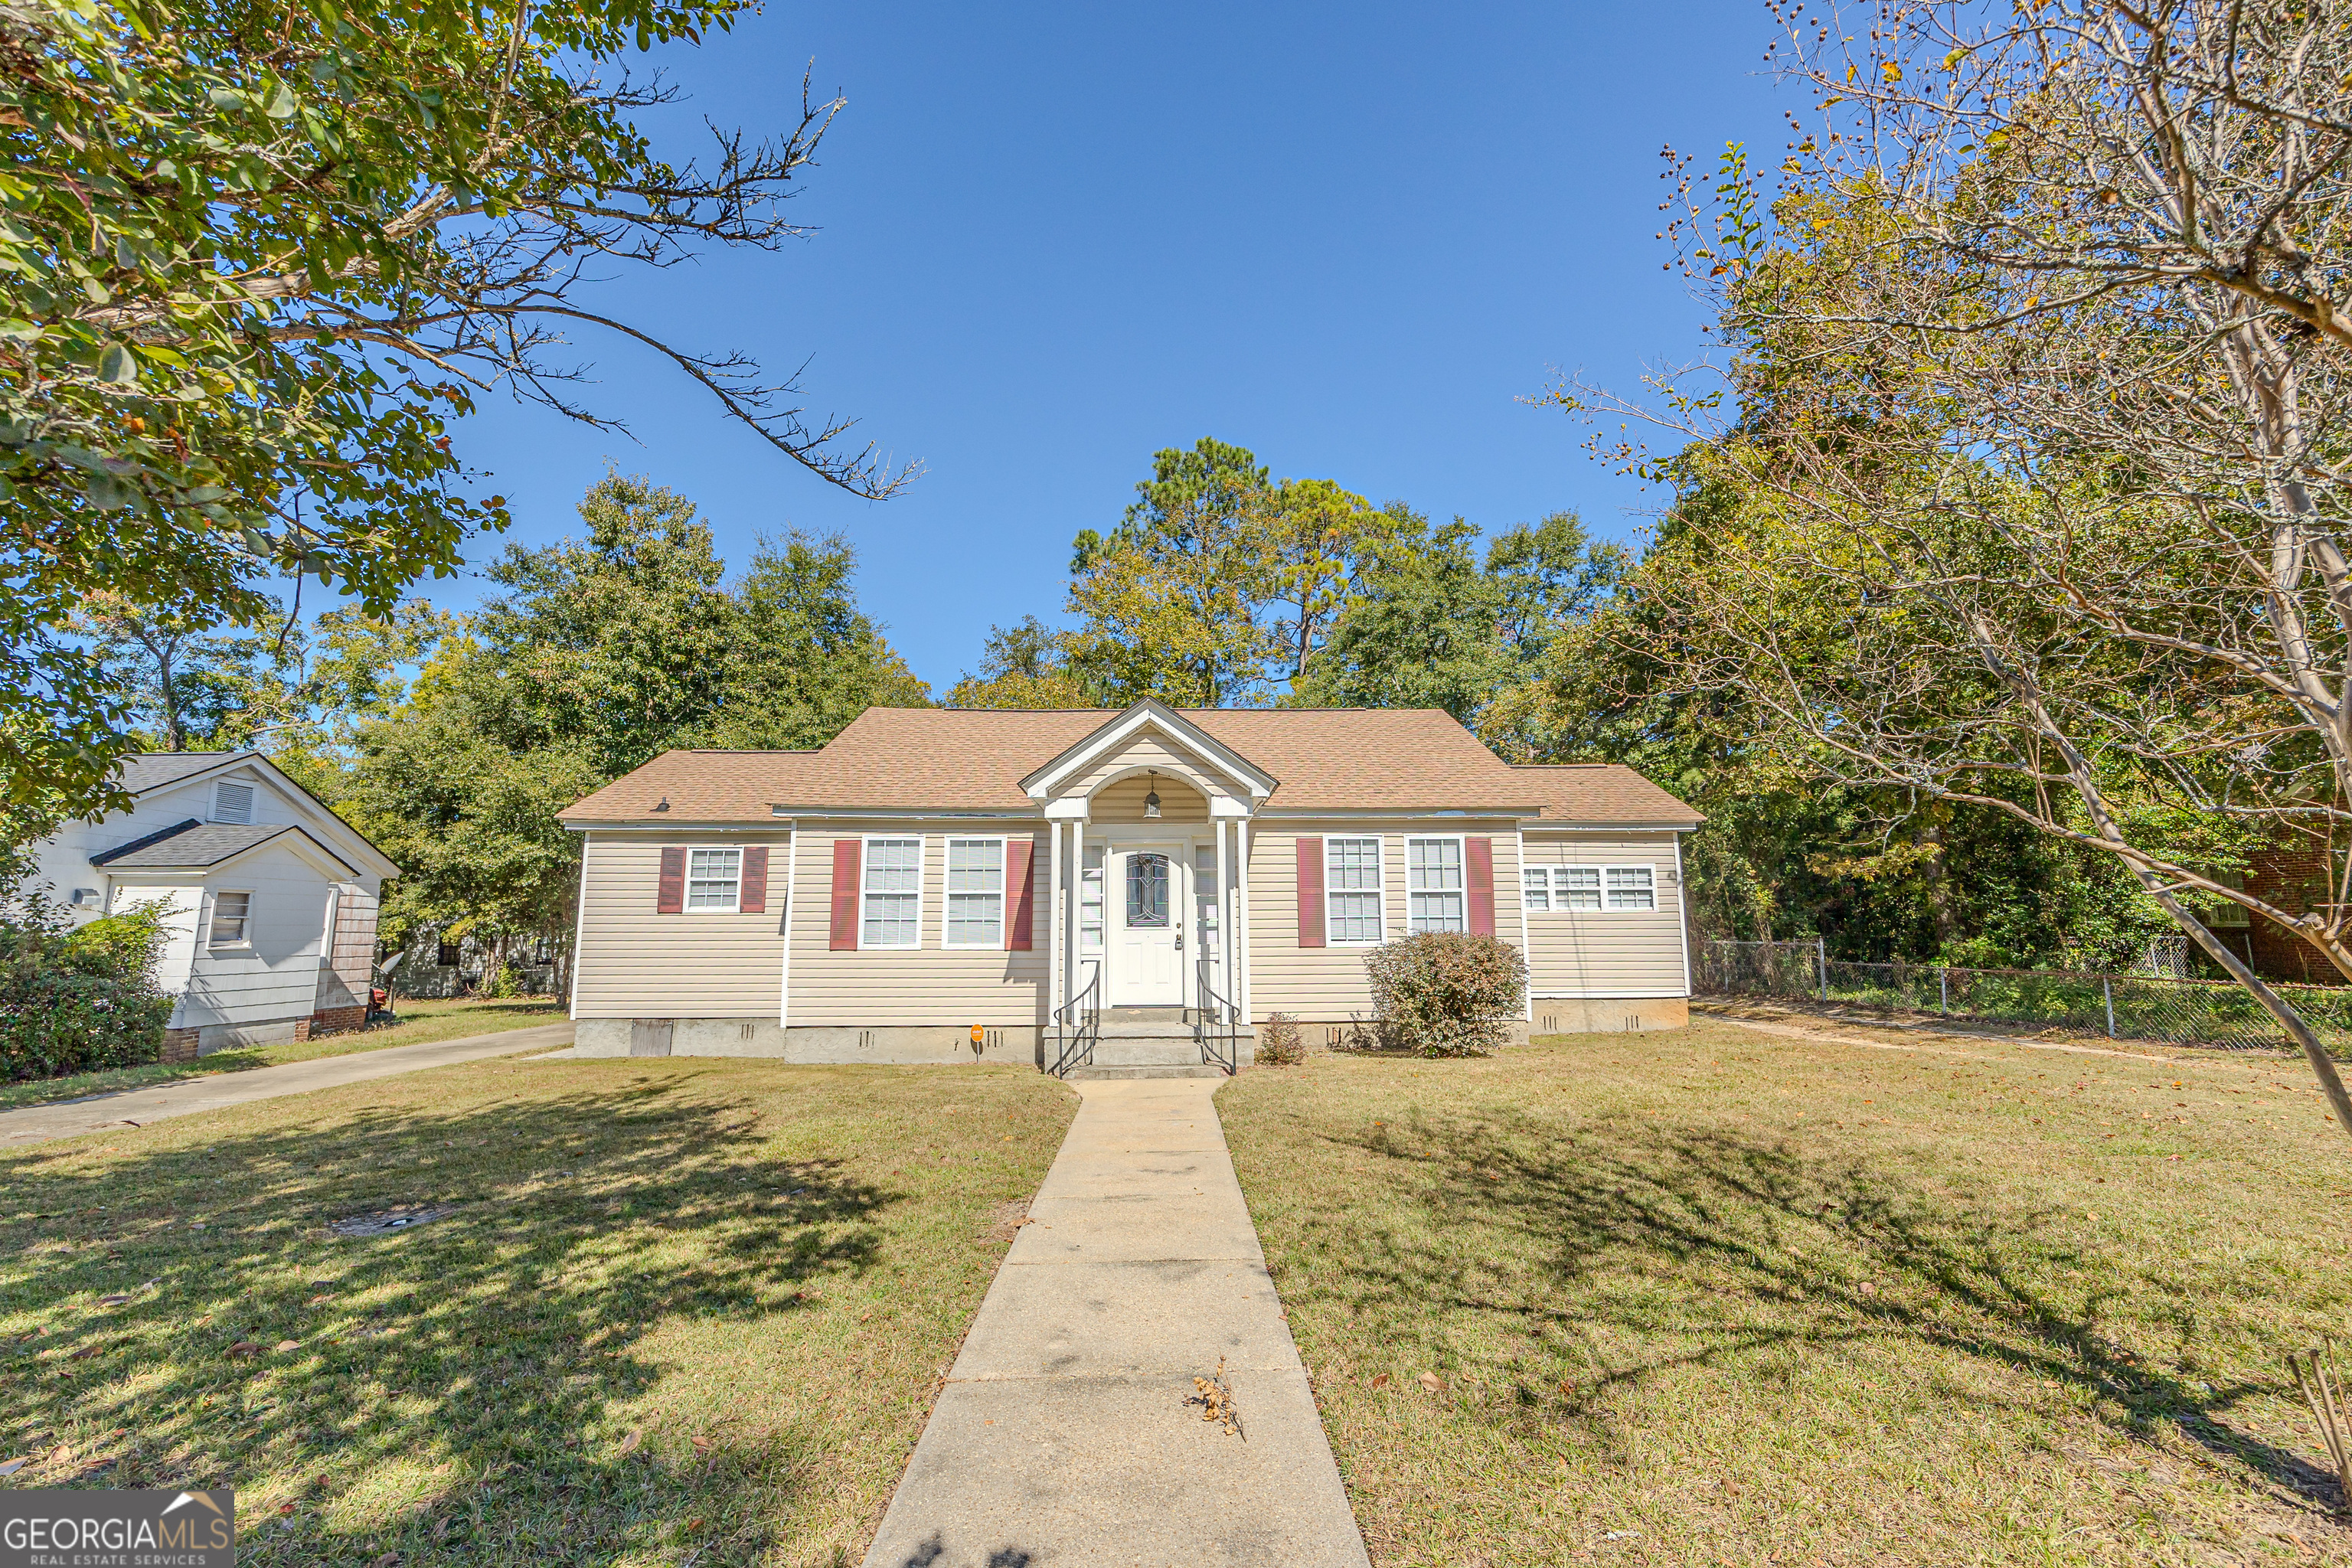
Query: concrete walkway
x,y
38,1123
1061,1438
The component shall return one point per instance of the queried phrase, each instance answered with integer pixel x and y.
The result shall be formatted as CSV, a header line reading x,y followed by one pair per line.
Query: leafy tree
x,y
1023,666
603,652
254,260
181,678
808,660
1170,602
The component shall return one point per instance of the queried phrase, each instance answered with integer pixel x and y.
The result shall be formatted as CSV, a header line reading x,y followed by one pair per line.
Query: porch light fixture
x,y
1152,800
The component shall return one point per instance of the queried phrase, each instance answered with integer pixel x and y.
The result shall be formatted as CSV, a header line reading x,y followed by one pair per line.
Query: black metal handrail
x,y
1078,1025
1216,1026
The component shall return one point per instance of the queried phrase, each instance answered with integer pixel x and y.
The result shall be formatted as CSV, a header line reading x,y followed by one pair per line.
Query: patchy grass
x,y
685,1308
1716,1296
421,1022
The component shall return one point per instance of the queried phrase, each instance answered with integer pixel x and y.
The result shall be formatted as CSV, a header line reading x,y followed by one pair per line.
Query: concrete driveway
x,y
138,1107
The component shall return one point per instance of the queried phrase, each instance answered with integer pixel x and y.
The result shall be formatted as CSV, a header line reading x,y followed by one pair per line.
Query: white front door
x,y
1147,900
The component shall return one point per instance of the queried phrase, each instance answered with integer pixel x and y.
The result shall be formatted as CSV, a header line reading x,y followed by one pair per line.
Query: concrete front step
x,y
1141,1015
1145,1029
1099,1073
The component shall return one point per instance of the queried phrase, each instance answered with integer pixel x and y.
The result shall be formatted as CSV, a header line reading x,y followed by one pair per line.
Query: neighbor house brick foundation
x,y
335,1020
180,1045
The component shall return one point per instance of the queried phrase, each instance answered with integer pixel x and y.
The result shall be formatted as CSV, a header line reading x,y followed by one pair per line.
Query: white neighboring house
x,y
271,898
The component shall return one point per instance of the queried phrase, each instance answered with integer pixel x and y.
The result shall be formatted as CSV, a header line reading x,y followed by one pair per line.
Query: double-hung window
x,y
714,879
1633,888
1435,898
975,893
231,920
1351,884
893,915
1536,888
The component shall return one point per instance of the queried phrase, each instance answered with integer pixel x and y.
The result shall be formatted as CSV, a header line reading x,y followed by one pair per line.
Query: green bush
x,y
1280,1046
1446,994
71,1001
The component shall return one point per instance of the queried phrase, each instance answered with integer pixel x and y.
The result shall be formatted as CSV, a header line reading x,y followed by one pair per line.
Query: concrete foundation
x,y
1609,1015
927,1045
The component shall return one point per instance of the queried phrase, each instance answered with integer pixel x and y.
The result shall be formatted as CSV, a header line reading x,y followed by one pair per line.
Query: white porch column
x,y
1227,935
1053,921
1241,922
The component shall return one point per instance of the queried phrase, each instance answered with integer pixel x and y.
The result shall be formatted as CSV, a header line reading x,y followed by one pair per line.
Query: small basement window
x,y
232,919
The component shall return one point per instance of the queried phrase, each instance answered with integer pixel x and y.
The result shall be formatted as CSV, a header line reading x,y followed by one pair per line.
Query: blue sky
x,y
1054,239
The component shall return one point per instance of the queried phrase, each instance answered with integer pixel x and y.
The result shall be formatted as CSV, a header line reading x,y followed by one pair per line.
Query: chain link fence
x,y
2116,1006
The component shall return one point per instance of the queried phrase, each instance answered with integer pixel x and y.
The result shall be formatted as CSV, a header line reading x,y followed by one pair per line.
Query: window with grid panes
x,y
894,893
1351,890
1433,889
975,893
1633,888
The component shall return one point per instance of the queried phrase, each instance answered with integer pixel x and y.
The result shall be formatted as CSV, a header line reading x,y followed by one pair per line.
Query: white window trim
x,y
212,922
1541,873
686,905
865,871
1463,839
252,800
1608,909
1380,887
1657,903
946,896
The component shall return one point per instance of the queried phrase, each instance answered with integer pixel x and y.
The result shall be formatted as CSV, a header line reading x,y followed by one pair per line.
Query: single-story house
x,y
1137,890
269,898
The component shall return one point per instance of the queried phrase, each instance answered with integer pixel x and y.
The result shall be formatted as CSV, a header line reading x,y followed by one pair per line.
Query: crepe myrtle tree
x,y
2021,481
252,260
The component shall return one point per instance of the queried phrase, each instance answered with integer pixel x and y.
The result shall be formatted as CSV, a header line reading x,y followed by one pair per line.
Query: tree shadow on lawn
x,y
442,1395
1724,1223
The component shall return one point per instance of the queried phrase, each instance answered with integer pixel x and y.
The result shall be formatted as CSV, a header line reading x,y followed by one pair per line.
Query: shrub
x,y
1446,994
1280,1046
71,1001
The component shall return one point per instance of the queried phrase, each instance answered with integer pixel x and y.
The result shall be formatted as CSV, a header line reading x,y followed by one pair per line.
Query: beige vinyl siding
x,y
633,962
1608,952
1326,985
1123,802
1147,749
893,987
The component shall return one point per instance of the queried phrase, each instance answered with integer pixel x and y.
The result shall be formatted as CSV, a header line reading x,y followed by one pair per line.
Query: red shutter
x,y
671,897
1021,882
1478,860
845,892
1310,892
755,880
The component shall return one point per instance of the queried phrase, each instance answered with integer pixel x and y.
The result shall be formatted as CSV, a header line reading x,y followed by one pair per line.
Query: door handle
x,y
1179,942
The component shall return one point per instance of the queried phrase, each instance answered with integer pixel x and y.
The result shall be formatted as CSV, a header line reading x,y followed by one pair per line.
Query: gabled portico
x,y
1149,818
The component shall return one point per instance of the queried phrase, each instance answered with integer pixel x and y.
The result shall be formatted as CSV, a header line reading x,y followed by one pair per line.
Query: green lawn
x,y
684,1310
420,1023
1711,1296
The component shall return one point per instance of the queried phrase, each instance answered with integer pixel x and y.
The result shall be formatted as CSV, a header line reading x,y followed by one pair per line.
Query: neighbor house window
x,y
1536,888
1351,882
714,879
2227,912
232,803
1434,888
894,892
232,919
975,893
1633,888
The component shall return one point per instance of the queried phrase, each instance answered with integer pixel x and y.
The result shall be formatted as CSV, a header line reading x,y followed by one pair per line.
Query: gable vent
x,y
232,803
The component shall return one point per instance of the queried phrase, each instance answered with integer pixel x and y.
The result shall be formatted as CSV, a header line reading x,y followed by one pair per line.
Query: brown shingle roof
x,y
1603,794
945,759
